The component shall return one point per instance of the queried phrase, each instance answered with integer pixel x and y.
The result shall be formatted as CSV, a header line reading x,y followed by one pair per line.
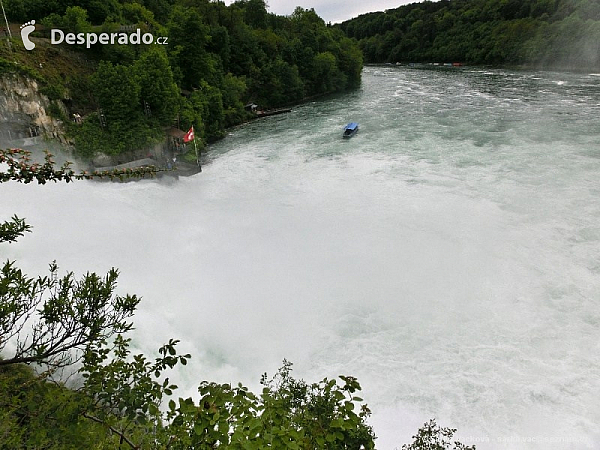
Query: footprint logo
x,y
26,29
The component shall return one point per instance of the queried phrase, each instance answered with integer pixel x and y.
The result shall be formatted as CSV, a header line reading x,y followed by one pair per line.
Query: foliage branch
x,y
21,168
50,322
119,402
433,437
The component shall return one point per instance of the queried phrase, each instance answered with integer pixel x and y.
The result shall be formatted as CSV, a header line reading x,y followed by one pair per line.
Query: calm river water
x,y
448,255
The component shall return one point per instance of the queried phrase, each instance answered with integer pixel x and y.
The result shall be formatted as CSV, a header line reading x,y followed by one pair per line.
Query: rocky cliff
x,y
25,122
24,118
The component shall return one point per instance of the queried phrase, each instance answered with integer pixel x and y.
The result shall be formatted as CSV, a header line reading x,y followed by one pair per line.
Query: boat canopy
x,y
351,126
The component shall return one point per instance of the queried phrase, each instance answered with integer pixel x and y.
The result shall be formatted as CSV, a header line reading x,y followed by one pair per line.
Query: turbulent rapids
x,y
447,255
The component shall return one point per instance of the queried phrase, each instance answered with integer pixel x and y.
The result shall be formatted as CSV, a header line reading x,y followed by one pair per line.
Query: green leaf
x,y
337,423
339,396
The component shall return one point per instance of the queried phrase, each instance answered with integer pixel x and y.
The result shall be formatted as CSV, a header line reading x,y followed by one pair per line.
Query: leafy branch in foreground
x,y
433,437
124,393
49,319
289,414
10,231
119,402
53,322
22,169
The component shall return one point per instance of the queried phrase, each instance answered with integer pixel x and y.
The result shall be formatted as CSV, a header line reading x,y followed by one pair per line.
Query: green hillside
x,y
543,33
214,60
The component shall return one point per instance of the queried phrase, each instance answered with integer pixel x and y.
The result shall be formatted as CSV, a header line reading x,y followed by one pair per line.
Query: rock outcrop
x,y
24,117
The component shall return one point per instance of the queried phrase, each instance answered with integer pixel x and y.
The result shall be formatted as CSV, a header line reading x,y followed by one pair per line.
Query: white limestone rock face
x,y
24,113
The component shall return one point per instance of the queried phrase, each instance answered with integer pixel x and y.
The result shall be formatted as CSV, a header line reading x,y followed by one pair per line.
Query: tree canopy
x,y
545,33
215,60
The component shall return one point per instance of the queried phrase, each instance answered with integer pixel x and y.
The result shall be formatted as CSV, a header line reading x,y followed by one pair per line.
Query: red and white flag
x,y
189,136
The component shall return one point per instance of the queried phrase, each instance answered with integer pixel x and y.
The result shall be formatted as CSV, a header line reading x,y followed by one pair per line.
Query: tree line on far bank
x,y
217,59
561,34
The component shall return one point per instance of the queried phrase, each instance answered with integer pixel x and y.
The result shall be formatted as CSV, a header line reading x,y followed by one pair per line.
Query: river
x,y
448,255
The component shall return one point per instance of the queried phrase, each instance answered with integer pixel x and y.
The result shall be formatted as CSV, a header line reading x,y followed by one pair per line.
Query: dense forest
x,y
216,59
542,33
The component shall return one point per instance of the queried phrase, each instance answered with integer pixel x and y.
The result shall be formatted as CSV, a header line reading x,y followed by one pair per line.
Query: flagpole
x,y
196,150
191,136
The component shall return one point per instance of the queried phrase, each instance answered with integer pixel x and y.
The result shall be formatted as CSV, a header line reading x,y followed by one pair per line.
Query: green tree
x,y
188,41
160,9
101,11
255,13
136,13
16,10
50,319
158,90
208,102
325,72
118,93
120,124
75,20
233,92
36,412
433,437
546,32
289,413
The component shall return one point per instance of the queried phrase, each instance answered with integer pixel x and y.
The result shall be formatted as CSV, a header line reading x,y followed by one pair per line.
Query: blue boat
x,y
350,130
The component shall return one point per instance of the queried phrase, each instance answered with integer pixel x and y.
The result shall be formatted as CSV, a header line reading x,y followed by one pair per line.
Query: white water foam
x,y
453,270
